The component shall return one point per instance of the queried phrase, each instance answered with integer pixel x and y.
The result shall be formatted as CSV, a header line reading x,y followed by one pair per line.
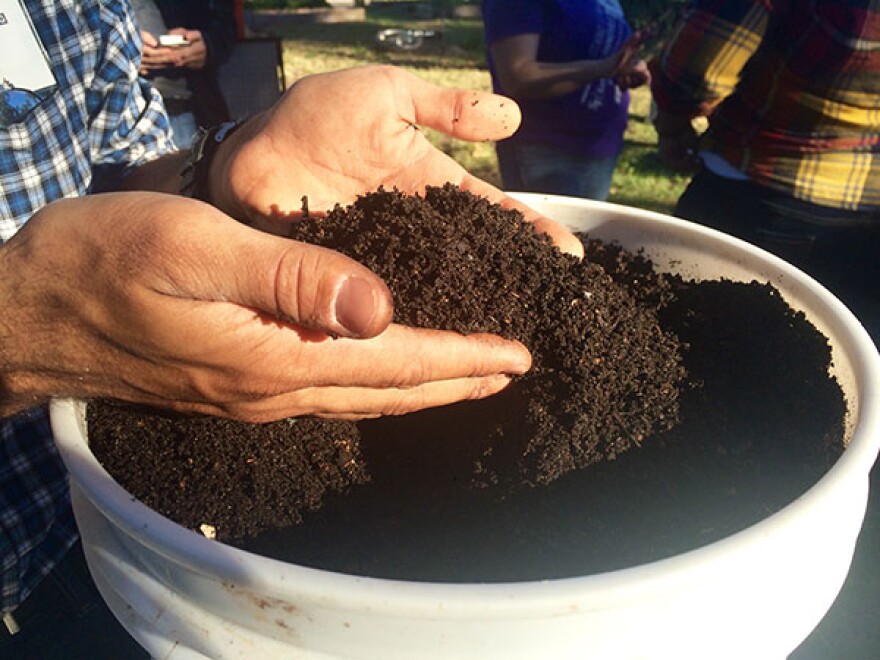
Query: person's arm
x,y
698,68
262,172
158,58
130,127
208,26
159,175
168,301
162,300
702,63
218,29
677,141
523,76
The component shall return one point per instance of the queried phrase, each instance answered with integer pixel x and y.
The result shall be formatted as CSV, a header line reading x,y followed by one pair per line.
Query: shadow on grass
x,y
643,181
643,156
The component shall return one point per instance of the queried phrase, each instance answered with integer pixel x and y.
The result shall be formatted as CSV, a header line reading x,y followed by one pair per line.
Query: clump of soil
x,y
605,374
412,497
238,478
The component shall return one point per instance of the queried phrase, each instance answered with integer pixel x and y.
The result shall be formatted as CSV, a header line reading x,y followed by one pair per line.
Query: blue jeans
x,y
555,171
65,618
839,248
826,242
185,129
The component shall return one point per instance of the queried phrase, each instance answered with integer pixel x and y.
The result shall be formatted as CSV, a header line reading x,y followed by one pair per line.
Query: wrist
x,y
610,66
231,180
198,173
17,389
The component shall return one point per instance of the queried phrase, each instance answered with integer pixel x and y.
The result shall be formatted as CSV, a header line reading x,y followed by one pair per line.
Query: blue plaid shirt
x,y
100,121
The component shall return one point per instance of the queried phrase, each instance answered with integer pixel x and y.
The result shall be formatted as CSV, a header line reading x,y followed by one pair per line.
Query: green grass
x,y
640,179
458,60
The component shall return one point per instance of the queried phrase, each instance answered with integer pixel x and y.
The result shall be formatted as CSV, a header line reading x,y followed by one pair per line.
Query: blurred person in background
x,y
185,74
569,66
789,161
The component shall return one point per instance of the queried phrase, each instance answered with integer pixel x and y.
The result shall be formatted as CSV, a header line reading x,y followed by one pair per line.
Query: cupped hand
x,y
166,301
335,136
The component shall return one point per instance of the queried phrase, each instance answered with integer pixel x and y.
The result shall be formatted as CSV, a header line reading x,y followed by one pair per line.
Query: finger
x,y
310,286
475,116
360,403
363,403
405,357
247,358
464,114
244,358
638,38
149,39
243,362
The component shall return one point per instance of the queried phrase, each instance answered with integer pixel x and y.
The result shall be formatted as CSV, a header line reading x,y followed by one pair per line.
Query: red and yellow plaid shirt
x,y
792,89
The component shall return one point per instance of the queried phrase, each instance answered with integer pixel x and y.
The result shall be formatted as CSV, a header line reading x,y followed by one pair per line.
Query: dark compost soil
x,y
660,415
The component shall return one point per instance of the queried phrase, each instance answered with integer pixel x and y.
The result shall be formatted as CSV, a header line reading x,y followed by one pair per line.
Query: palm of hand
x,y
337,136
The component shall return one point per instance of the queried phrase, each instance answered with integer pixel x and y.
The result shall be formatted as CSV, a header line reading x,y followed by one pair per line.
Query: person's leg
x,y
185,129
596,178
508,167
845,257
727,205
806,235
556,171
838,248
740,208
65,618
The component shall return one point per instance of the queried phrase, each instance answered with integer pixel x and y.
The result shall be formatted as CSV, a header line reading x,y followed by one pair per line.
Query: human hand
x,y
679,151
677,141
335,136
635,76
628,68
164,300
195,54
155,56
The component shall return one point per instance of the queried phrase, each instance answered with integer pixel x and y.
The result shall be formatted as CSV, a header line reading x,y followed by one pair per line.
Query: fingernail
x,y
355,305
492,385
522,365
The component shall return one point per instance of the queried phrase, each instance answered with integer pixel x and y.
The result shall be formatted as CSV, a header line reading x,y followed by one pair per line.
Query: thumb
x,y
149,39
464,114
304,284
323,290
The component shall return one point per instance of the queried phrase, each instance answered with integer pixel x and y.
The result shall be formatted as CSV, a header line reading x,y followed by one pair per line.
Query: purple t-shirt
x,y
591,120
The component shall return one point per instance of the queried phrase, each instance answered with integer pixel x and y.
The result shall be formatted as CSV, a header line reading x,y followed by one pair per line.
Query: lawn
x,y
457,58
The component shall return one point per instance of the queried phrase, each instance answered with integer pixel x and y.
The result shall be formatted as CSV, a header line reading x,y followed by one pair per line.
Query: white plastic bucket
x,y
755,594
